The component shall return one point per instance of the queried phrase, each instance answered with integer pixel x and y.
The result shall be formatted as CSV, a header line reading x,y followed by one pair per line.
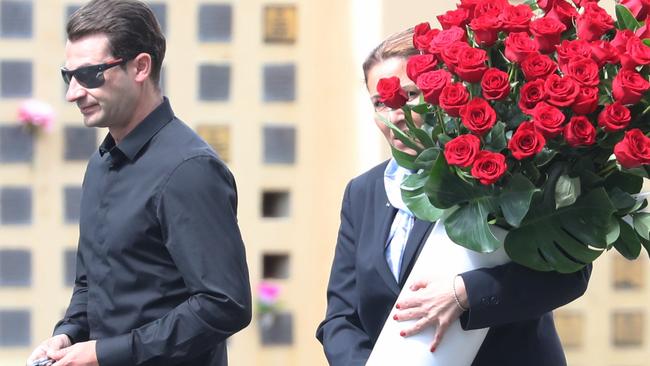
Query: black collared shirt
x,y
161,269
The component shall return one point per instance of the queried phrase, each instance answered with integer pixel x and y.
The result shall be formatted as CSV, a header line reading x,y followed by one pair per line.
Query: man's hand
x,y
79,354
52,344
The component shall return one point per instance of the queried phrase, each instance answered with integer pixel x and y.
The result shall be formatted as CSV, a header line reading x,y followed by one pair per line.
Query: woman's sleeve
x,y
511,293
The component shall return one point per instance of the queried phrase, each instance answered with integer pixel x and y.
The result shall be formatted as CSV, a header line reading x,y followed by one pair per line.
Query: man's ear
x,y
142,64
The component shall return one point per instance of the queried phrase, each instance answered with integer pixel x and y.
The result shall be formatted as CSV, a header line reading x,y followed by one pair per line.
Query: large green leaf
x,y
567,191
515,199
625,19
628,243
561,239
642,224
468,226
416,199
403,159
445,189
408,142
495,140
426,158
423,137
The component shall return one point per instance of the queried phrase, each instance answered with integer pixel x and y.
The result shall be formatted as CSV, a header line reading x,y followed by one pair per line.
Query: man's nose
x,y
75,91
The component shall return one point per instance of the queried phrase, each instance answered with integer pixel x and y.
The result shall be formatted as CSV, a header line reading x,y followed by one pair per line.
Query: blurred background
x,y
276,87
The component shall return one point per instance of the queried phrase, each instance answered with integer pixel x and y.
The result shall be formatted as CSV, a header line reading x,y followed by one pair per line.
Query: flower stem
x,y
441,120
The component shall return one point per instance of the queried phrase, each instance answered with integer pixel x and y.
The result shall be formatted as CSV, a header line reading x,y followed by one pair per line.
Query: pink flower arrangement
x,y
36,114
268,294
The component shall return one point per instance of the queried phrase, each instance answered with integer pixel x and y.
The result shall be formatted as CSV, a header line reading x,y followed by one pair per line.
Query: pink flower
x,y
268,293
36,113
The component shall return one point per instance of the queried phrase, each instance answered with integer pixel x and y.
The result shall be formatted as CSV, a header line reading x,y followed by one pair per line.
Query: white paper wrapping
x,y
440,260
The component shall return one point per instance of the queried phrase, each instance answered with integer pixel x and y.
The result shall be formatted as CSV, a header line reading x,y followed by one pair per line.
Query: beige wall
x,y
336,141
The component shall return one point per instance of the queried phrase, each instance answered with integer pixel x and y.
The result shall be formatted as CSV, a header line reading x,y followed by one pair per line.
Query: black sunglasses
x,y
90,76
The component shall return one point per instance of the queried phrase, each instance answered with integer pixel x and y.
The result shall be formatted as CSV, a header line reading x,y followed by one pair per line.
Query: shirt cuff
x,y
114,351
72,331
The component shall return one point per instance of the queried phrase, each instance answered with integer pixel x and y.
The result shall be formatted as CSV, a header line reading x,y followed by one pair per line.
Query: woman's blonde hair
x,y
396,45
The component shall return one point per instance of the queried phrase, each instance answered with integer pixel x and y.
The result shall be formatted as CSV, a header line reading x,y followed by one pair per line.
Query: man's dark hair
x,y
130,26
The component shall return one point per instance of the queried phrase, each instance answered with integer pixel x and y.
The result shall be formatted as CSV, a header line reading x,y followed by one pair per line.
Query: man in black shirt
x,y
161,270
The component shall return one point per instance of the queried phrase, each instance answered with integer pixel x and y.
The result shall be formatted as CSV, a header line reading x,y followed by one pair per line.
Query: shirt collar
x,y
393,177
132,143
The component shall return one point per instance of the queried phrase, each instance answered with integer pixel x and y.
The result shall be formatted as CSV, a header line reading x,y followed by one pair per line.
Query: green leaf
x,y
403,159
567,191
416,199
627,182
515,199
544,157
642,224
468,226
628,243
445,189
420,108
408,142
613,232
424,138
622,201
625,19
561,239
426,158
646,41
495,140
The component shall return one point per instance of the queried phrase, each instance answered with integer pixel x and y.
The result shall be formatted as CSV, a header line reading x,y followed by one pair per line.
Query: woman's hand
x,y
432,303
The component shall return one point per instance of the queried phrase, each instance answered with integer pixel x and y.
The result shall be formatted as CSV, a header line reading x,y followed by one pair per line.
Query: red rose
x,y
561,91
644,31
449,55
532,93
538,67
453,97
593,22
432,83
519,46
614,117
634,150
469,5
569,50
548,120
454,18
621,38
545,5
418,64
446,38
495,84
462,150
564,12
486,29
587,101
422,36
629,86
638,52
471,64
547,32
391,93
526,141
489,167
638,8
581,3
584,71
490,7
516,18
478,116
604,53
579,132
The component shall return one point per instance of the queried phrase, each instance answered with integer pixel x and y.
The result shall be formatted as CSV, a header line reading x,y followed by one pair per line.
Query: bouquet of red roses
x,y
536,119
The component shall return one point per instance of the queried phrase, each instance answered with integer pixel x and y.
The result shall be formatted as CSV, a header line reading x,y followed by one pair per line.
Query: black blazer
x,y
514,301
